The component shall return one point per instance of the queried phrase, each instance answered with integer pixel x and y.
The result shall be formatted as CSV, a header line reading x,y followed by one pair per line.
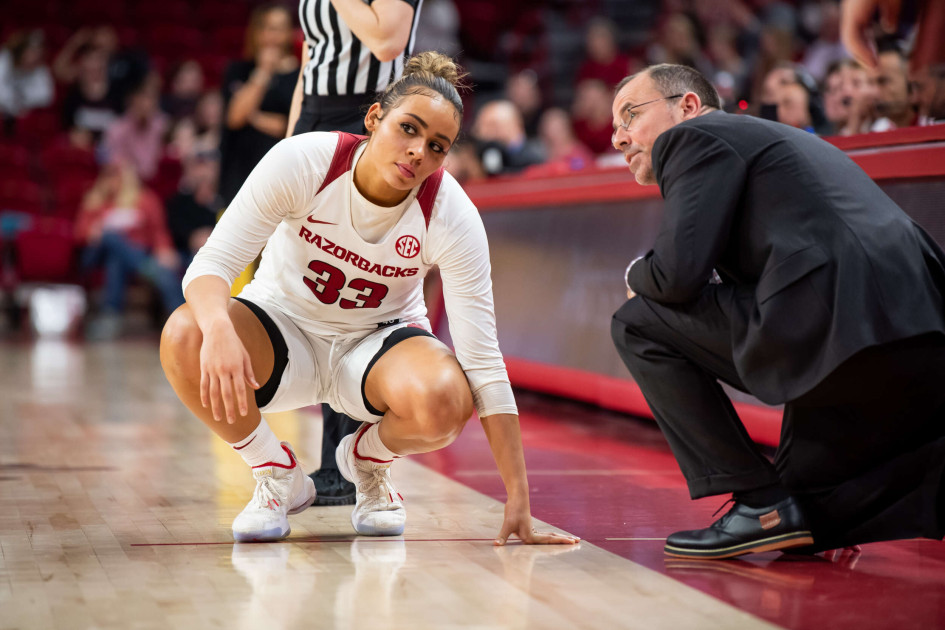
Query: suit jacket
x,y
817,262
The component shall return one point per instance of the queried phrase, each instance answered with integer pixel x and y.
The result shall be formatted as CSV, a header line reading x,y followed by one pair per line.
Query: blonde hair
x,y
127,196
426,73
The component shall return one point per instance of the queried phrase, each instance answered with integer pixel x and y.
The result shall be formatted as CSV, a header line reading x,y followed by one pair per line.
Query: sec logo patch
x,y
407,246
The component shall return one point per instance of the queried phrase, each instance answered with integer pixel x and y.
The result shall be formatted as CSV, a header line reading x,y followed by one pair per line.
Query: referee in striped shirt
x,y
353,50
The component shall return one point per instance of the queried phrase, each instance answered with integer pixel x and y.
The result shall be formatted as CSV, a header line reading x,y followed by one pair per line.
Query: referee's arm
x,y
383,26
296,109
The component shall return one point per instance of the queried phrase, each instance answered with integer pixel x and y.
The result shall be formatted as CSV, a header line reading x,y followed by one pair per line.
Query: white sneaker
x,y
379,509
280,490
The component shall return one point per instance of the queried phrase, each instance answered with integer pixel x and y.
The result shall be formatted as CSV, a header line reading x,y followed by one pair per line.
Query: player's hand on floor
x,y
518,521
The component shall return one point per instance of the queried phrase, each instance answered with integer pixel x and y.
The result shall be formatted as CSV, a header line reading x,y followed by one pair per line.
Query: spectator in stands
x,y
827,48
200,133
90,102
796,106
930,94
25,80
678,43
850,96
864,96
836,106
126,69
790,95
463,163
776,48
603,60
561,145
185,90
438,28
122,229
730,69
894,104
523,91
504,147
776,78
593,123
192,212
257,96
137,138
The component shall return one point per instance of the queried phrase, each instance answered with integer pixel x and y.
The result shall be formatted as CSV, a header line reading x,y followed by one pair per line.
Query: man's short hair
x,y
672,79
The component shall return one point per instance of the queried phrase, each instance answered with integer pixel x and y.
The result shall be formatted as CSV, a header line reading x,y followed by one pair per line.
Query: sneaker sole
x,y
266,535
369,530
775,543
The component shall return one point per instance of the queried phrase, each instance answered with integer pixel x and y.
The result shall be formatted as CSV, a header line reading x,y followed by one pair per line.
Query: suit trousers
x,y
863,451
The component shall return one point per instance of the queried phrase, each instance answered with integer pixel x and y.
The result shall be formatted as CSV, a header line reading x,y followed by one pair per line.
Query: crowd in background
x,y
126,127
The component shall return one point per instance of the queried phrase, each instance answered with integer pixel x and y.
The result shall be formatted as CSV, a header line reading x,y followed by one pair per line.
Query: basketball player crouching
x,y
335,313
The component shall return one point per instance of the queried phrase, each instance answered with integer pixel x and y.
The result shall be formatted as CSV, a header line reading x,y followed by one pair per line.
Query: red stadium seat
x,y
229,41
95,12
65,161
174,42
21,196
167,180
38,127
213,66
56,37
215,13
69,193
45,252
13,156
168,12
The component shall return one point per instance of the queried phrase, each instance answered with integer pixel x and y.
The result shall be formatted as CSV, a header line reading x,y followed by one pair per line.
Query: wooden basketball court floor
x,y
115,512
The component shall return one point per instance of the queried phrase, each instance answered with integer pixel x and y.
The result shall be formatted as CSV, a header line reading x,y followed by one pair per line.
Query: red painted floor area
x,y
607,477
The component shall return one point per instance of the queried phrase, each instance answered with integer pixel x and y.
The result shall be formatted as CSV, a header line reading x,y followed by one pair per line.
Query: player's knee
x,y
180,344
441,406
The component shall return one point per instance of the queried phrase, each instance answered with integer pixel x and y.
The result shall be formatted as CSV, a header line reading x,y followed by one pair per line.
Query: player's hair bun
x,y
437,64
426,73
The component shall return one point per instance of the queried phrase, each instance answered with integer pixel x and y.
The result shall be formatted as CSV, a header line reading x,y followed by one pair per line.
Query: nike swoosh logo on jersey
x,y
311,220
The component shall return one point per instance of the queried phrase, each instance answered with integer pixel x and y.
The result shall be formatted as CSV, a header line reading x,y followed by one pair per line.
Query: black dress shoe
x,y
331,488
743,530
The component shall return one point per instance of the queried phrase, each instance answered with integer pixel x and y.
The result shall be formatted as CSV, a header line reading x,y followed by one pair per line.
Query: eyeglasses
x,y
629,115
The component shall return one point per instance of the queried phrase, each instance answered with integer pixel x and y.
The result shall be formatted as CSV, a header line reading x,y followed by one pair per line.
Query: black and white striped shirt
x,y
340,63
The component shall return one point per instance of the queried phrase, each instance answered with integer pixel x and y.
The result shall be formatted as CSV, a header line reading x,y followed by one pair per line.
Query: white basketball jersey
x,y
343,283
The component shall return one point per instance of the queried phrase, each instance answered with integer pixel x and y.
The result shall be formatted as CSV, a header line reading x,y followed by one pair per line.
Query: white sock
x,y
261,447
368,445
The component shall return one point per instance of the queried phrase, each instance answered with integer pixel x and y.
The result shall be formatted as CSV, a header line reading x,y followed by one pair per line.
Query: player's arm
x,y
383,26
505,440
296,110
225,366
462,254
276,188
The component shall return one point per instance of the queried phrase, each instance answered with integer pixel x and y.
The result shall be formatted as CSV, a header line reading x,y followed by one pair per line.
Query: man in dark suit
x,y
781,269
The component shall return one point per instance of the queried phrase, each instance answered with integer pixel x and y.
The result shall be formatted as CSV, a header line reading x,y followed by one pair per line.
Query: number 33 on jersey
x,y
348,272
